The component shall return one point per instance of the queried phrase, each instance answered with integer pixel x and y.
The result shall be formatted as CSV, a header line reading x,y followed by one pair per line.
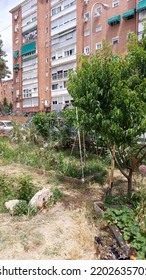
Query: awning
x,y
114,20
28,48
15,55
128,14
141,6
16,67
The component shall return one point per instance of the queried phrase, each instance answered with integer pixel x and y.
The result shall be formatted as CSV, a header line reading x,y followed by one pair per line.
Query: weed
x,y
56,196
26,189
21,208
124,218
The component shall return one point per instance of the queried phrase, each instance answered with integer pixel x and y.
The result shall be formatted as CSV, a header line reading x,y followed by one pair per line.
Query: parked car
x,y
6,126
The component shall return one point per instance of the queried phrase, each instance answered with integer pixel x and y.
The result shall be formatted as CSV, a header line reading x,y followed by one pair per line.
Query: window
x,y
16,41
55,86
86,16
69,52
65,84
16,28
98,12
86,50
99,46
115,3
86,32
17,92
46,30
115,40
55,102
47,74
98,28
46,45
56,10
54,57
47,59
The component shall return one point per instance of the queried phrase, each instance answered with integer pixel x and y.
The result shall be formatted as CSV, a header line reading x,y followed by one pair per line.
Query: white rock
x,y
41,196
11,203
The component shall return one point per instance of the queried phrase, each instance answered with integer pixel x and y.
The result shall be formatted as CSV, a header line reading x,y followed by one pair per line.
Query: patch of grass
x,y
57,195
24,190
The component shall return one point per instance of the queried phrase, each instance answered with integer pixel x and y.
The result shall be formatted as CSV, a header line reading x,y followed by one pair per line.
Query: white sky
x,y
6,21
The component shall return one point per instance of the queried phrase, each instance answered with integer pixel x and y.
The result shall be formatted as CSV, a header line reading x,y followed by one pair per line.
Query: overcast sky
x,y
6,27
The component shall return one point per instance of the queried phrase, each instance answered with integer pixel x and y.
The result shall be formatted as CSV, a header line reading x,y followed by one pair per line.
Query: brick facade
x,y
52,60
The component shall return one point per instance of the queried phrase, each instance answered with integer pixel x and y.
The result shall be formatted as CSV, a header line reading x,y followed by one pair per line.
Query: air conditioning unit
x,y
85,2
86,19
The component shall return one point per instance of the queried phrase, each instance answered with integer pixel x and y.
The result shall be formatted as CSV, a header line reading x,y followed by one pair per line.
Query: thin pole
x,y
80,148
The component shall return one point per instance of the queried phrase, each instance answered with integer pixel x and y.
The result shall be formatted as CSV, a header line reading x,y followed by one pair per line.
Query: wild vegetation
x,y
105,123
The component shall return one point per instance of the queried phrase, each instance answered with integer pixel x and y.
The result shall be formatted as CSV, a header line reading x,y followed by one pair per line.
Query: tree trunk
x,y
112,167
130,182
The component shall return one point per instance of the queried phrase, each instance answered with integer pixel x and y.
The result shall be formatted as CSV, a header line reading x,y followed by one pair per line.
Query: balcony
x,y
63,60
67,25
29,26
60,45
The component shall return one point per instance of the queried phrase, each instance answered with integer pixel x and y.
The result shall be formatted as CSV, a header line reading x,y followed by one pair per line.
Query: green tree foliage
x,y
109,89
4,71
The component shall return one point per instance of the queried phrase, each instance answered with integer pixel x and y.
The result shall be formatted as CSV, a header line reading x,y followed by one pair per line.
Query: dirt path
x,y
63,232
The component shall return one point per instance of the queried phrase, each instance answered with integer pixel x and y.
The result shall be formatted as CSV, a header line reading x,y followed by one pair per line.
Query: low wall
x,y
17,119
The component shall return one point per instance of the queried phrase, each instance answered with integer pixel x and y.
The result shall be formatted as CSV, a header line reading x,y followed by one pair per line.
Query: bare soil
x,y
63,232
66,231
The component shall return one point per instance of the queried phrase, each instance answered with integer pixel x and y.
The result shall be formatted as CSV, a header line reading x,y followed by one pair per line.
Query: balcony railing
x,y
59,76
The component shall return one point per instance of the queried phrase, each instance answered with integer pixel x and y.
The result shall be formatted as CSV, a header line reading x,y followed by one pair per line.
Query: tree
x,y
4,71
111,92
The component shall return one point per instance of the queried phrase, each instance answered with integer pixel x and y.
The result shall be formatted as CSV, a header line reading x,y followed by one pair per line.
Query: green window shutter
x,y
16,67
28,48
114,20
128,14
16,53
141,6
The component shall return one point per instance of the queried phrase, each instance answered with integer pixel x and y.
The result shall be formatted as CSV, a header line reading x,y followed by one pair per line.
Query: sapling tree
x,y
110,91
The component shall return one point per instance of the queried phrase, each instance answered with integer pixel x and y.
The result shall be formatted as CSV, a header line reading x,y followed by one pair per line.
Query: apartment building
x,y
48,36
6,91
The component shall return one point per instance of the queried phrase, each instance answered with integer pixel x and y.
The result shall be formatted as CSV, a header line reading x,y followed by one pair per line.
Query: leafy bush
x,y
21,208
26,189
124,218
45,123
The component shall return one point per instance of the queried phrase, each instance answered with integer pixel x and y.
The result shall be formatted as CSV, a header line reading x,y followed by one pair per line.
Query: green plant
x,y
57,194
25,189
32,211
139,201
21,208
124,218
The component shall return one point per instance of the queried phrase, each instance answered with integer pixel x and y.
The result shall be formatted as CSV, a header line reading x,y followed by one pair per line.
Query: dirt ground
x,y
66,231
63,232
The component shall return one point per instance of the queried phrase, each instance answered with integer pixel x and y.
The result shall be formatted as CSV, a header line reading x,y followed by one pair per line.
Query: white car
x,y
5,126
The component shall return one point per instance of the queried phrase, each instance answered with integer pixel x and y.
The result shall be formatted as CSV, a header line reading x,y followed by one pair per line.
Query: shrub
x,y
26,189
124,218
21,208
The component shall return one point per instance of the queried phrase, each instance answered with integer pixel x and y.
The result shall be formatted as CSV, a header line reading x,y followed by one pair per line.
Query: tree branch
x,y
120,168
144,146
